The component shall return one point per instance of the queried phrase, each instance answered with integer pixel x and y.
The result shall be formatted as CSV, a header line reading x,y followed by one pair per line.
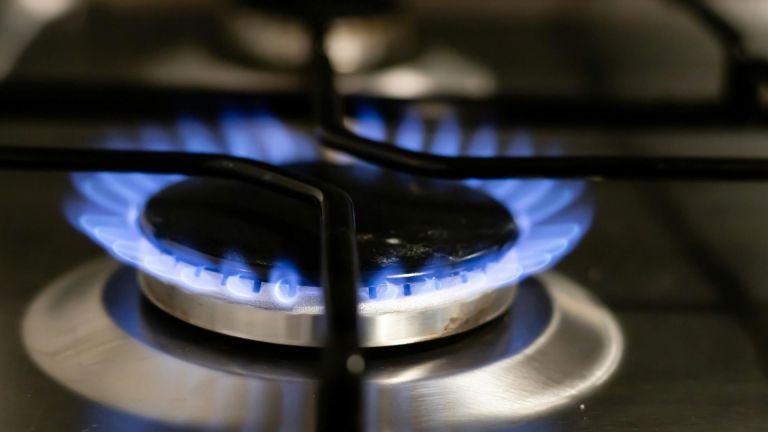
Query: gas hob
x,y
488,294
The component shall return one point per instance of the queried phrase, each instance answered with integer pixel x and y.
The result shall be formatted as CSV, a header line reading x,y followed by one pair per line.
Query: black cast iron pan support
x,y
742,73
739,100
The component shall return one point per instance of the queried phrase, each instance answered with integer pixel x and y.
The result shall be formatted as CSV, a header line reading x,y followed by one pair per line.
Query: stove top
x,y
214,313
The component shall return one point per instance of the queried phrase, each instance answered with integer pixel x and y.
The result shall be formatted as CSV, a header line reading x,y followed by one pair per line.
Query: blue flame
x,y
410,133
370,124
284,281
483,142
552,215
447,139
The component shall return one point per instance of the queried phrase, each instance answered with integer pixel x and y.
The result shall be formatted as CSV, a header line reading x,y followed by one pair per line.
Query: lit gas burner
x,y
437,257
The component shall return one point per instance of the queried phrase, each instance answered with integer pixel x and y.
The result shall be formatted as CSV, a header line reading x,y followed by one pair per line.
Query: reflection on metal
x,y
20,23
436,70
306,327
354,43
91,332
551,217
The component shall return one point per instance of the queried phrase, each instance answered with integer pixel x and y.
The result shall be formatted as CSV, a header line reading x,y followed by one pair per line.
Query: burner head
x,y
437,257
407,227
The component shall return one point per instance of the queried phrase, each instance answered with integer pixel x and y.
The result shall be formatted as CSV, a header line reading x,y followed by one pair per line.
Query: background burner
x,y
408,227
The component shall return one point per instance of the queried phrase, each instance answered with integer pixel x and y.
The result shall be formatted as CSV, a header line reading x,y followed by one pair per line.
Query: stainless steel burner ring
x,y
306,326
519,367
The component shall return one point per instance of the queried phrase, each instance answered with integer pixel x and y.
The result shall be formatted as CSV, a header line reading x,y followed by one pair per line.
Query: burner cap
x,y
408,227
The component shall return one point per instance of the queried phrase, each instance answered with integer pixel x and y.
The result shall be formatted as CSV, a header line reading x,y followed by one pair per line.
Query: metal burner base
x,y
92,332
306,327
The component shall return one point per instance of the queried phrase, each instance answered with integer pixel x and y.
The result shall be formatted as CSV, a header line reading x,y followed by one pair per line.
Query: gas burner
x,y
408,229
437,257
413,236
555,346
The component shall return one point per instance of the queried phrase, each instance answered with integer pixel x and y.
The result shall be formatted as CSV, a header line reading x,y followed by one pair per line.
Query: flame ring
x,y
552,215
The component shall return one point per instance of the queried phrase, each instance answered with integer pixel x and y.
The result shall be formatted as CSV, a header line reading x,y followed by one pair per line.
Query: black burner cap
x,y
408,227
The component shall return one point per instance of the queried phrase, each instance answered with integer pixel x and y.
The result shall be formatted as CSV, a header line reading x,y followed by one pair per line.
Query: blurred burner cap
x,y
361,36
408,227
